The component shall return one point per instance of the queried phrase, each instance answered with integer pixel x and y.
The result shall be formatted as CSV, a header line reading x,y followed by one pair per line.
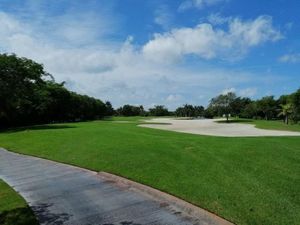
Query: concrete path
x,y
60,194
211,127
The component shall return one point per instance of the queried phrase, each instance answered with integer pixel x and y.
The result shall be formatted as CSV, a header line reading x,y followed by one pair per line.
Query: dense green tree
x,y
284,99
109,109
131,110
238,104
267,107
209,113
286,107
295,101
190,111
199,111
159,110
222,104
250,111
19,79
29,95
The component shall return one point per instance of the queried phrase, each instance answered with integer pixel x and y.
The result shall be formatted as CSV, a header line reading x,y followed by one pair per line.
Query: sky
x,y
159,52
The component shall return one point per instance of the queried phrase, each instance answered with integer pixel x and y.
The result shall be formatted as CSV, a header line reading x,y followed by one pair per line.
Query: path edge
x,y
165,199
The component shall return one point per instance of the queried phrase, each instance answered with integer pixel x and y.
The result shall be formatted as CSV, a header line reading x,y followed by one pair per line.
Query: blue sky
x,y
166,52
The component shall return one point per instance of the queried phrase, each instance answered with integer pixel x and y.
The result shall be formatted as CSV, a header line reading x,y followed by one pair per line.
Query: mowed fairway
x,y
245,180
267,124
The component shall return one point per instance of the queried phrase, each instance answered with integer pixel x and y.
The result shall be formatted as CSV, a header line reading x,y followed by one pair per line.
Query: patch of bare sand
x,y
210,127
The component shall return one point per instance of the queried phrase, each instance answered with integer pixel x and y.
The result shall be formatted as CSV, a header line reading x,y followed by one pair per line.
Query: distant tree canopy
x,y
159,110
223,104
286,107
294,99
130,110
109,109
190,111
29,95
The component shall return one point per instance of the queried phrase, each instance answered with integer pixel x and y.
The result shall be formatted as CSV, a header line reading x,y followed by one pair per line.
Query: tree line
x,y
131,110
29,95
286,107
160,110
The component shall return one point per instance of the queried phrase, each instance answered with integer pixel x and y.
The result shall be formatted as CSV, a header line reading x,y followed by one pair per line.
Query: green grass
x,y
245,180
13,208
267,124
126,118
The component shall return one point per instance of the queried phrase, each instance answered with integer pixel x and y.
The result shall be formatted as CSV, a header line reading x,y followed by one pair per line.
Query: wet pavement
x,y
60,194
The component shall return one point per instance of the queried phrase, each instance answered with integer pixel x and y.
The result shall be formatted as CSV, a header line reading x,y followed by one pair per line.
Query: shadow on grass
x,y
19,216
235,121
36,127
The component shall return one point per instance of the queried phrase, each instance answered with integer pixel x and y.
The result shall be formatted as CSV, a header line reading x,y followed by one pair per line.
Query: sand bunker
x,y
210,127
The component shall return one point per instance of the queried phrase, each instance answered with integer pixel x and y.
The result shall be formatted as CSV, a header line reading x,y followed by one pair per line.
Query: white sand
x,y
210,127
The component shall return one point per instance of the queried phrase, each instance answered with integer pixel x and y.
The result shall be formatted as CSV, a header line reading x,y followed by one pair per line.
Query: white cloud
x,y
217,19
290,58
75,27
198,4
163,16
248,92
174,98
208,42
117,71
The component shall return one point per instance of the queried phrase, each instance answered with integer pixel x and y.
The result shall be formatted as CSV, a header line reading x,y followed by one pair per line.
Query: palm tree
x,y
286,110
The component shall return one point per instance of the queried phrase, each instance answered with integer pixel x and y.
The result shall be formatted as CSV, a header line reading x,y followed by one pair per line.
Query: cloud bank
x,y
290,58
208,42
81,53
198,4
